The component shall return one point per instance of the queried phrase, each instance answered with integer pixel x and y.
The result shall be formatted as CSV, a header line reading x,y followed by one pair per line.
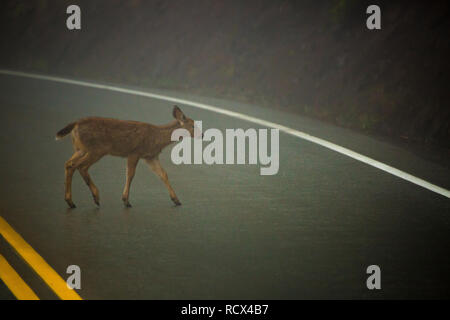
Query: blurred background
x,y
308,232
307,57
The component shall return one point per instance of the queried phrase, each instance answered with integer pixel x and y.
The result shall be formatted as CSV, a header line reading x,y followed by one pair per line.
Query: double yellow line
x,y
15,283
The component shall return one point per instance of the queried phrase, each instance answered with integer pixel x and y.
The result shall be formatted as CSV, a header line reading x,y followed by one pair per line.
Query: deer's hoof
x,y
126,203
71,204
177,202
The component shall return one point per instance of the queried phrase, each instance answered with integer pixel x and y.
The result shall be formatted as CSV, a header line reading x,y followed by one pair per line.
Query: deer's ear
x,y
178,114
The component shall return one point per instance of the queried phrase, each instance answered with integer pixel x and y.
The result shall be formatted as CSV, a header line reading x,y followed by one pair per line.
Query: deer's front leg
x,y
131,170
155,165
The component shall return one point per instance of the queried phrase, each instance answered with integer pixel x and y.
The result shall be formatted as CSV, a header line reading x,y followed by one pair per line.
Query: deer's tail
x,y
65,131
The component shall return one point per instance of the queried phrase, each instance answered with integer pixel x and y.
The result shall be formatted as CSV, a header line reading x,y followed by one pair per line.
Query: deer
x,y
95,137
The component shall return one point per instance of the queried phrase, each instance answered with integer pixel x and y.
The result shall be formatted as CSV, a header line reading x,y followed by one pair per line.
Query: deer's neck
x,y
165,133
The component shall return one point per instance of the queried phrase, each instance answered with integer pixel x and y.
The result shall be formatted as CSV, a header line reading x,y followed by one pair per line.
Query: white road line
x,y
296,133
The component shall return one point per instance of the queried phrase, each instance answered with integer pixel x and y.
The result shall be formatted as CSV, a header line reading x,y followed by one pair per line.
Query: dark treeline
x,y
311,57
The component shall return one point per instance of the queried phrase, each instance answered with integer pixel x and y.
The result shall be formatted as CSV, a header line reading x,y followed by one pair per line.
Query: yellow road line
x,y
14,282
37,263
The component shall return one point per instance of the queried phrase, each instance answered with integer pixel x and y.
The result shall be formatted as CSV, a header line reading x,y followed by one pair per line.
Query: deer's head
x,y
187,123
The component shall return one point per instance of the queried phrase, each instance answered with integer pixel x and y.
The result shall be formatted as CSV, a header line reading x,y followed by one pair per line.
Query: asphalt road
x,y
308,232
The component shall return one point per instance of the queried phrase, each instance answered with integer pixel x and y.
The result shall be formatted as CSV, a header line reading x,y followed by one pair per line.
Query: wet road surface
x,y
308,232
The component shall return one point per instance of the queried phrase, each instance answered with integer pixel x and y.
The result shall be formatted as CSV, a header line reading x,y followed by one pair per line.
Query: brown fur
x,y
95,137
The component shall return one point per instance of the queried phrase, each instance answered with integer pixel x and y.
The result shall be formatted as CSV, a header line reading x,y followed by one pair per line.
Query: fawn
x,y
95,137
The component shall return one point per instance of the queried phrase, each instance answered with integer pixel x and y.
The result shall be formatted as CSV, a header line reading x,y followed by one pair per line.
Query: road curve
x,y
308,232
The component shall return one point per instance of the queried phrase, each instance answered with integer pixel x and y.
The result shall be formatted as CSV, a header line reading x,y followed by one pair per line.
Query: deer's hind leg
x,y
88,160
132,162
70,166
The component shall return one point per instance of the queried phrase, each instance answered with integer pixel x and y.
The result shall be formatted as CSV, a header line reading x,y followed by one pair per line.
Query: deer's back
x,y
112,136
